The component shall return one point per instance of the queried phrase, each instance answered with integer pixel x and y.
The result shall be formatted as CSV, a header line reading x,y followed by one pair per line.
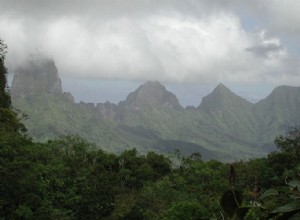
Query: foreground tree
x,y
291,142
13,141
3,48
9,122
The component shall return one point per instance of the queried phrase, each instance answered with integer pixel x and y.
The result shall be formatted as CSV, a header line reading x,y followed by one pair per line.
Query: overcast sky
x,y
182,43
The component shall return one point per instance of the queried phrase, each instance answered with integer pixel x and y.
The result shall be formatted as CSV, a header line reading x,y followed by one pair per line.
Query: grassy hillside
x,y
277,112
225,126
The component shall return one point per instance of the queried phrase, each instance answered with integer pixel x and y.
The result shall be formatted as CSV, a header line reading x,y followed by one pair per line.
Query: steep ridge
x,y
224,126
278,111
150,95
36,91
53,113
229,112
223,99
36,76
152,107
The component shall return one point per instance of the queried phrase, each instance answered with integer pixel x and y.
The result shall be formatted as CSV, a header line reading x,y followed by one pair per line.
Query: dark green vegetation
x,y
224,126
69,178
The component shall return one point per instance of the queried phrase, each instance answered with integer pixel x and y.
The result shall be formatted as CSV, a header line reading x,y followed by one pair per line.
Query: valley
x,y
224,126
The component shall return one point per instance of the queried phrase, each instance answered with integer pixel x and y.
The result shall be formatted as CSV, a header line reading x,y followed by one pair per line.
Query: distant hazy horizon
x,y
114,91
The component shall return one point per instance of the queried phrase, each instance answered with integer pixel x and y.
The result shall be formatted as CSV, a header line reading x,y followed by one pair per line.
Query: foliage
x,y
10,125
224,127
70,178
3,52
187,210
291,142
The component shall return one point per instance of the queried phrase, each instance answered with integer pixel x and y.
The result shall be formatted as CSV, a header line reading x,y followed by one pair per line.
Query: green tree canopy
x,y
290,142
10,124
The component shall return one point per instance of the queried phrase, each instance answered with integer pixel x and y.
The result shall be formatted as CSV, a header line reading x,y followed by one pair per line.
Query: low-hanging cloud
x,y
183,41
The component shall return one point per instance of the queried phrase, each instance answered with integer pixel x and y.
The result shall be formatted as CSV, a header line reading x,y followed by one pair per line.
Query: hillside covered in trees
x,y
69,178
224,126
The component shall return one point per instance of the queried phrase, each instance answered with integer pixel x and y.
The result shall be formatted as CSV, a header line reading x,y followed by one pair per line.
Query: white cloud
x,y
186,42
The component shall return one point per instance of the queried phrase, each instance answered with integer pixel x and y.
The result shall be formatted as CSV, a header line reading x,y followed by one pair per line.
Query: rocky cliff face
x,y
151,94
223,99
224,126
34,77
106,110
278,112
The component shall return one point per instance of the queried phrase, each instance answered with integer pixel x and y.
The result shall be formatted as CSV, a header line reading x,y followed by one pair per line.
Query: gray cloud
x,y
168,40
284,16
266,50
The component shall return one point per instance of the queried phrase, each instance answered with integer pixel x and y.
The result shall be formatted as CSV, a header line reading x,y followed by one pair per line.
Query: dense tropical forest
x,y
69,178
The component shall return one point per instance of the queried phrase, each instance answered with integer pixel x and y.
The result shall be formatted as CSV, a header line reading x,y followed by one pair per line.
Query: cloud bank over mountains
x,y
189,41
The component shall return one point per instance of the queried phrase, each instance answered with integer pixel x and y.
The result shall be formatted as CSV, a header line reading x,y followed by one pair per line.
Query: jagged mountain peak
x,y
221,88
152,84
37,75
279,110
285,90
281,97
224,122
222,98
282,94
221,85
152,93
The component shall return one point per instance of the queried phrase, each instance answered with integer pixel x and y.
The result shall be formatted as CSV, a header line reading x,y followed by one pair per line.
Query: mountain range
x,y
224,126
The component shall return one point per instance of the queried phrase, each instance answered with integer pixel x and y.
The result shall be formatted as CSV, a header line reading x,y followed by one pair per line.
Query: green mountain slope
x,y
229,112
277,112
228,122
225,126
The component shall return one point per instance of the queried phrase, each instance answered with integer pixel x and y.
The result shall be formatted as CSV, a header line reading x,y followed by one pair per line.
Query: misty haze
x,y
149,109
